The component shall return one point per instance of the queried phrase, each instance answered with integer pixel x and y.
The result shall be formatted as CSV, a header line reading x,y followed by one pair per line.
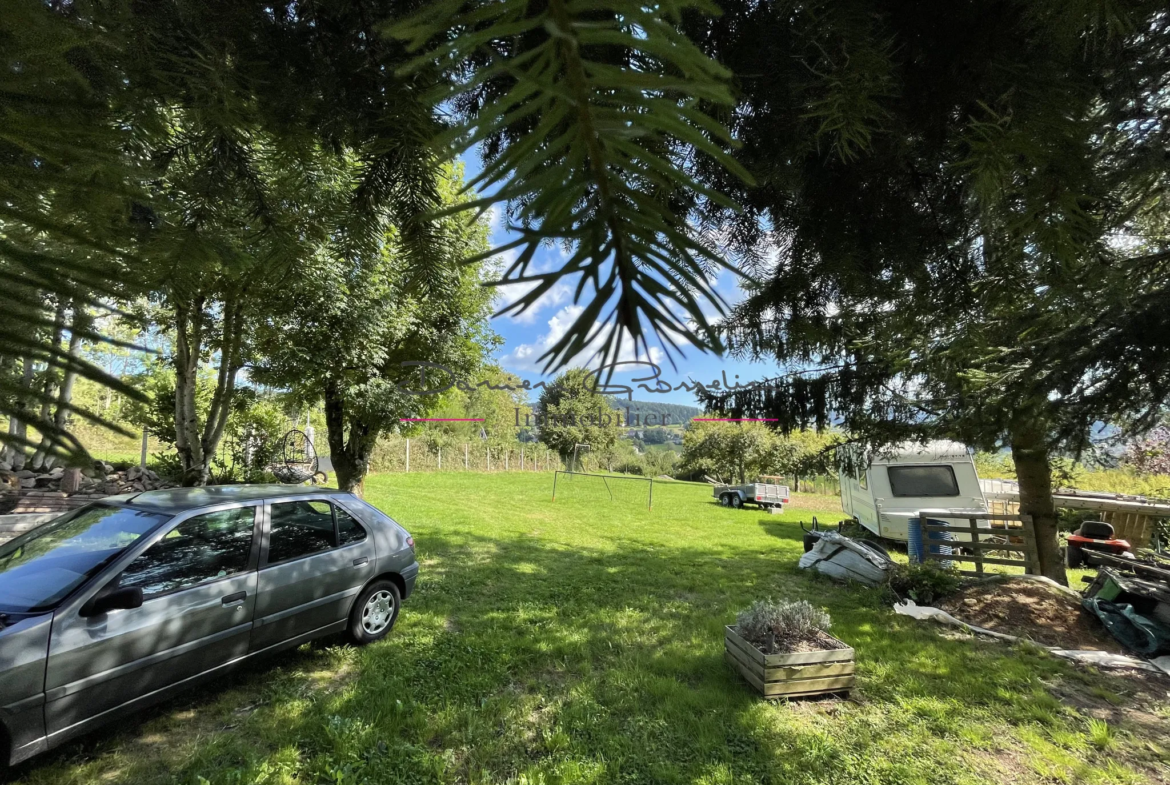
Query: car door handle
x,y
358,562
235,599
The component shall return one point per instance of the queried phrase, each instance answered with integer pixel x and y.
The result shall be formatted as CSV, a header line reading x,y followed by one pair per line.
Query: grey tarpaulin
x,y
1138,633
839,557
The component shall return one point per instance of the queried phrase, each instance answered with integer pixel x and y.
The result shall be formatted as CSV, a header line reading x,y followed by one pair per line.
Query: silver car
x,y
119,604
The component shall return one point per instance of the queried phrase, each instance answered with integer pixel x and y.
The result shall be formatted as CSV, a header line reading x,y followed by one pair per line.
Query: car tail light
x,y
410,541
784,501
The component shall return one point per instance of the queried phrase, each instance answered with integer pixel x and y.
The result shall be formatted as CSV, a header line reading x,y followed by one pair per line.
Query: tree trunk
x,y
350,452
198,444
65,394
50,383
1030,455
188,347
18,426
225,385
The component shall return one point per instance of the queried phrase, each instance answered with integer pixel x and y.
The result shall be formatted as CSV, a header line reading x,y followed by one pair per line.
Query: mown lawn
x,y
580,641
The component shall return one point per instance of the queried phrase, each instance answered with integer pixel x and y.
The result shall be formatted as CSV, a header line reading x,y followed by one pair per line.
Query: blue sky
x,y
526,336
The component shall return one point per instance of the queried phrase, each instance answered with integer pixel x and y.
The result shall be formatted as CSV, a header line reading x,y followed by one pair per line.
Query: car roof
x,y
176,500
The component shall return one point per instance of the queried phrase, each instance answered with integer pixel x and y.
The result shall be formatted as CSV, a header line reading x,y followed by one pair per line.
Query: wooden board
x,y
790,680
983,546
971,558
792,689
1135,528
789,672
1021,540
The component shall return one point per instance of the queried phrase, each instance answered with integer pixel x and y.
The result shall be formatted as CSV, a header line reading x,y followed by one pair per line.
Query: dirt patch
x,y
1033,611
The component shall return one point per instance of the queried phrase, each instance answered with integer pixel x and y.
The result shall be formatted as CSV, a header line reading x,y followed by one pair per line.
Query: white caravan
x,y
909,479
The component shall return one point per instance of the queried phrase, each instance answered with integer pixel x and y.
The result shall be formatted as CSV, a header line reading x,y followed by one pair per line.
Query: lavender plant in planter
x,y
784,650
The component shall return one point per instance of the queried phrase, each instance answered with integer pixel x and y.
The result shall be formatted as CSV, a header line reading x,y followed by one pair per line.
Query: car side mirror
x,y
113,598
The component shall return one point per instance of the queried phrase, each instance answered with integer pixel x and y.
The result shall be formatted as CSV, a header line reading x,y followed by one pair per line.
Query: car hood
x,y
24,646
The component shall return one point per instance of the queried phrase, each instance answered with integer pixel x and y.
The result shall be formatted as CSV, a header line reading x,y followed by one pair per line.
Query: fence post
x,y
465,464
521,459
145,443
440,459
1030,555
978,555
487,451
507,452
408,454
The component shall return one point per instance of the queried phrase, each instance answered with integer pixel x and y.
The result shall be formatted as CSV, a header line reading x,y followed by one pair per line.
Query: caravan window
x,y
923,481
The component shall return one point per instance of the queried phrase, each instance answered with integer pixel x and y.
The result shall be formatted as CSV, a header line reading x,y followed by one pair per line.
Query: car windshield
x,y
40,568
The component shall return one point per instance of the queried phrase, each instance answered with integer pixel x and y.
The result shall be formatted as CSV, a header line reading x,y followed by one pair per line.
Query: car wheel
x,y
736,502
375,612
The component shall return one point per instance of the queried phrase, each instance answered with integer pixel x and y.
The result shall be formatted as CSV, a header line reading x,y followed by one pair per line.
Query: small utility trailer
x,y
764,494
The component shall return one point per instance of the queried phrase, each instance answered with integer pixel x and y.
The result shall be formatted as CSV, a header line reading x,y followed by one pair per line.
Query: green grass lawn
x,y
580,641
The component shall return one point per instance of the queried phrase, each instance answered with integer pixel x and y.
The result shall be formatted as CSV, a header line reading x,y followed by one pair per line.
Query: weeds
x,y
1101,735
924,583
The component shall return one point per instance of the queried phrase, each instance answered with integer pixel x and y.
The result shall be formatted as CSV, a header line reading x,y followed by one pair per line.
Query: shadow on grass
x,y
518,658
784,530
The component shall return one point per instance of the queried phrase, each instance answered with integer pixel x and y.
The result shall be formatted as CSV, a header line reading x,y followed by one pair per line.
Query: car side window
x,y
299,528
349,530
200,549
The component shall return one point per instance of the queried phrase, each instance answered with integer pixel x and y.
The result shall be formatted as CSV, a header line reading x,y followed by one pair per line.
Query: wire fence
x,y
821,484
420,455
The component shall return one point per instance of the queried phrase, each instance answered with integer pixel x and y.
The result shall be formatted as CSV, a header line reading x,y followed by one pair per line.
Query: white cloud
x,y
510,293
526,356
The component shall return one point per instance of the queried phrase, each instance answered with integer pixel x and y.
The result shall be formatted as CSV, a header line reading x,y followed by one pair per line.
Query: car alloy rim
x,y
378,612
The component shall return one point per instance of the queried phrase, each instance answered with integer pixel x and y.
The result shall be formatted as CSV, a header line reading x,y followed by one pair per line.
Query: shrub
x,y
629,467
767,622
923,583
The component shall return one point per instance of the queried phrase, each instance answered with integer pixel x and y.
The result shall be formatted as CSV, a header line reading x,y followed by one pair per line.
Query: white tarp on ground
x,y
1101,659
839,557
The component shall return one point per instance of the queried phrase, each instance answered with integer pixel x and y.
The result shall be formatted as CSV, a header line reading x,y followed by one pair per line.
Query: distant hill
x,y
679,414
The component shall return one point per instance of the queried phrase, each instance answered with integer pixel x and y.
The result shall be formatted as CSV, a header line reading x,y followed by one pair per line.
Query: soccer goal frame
x,y
605,479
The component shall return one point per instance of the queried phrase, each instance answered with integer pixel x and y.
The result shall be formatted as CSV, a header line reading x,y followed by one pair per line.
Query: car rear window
x,y
923,481
366,512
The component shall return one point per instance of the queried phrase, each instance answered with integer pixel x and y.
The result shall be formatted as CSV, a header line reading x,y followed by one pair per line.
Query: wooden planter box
x,y
790,675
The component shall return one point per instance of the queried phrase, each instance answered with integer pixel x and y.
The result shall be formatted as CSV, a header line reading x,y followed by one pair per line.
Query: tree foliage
x,y
944,239
593,112
188,149
351,331
571,412
1151,453
741,452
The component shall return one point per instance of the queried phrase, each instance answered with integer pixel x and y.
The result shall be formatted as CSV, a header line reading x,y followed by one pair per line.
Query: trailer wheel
x,y
1074,556
725,500
736,502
